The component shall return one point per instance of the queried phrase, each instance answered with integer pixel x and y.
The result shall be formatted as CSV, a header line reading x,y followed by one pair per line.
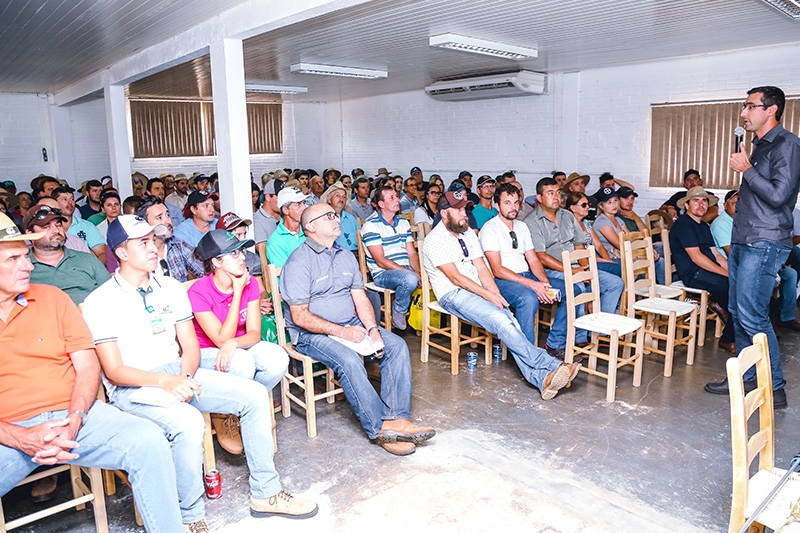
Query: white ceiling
x,y
47,45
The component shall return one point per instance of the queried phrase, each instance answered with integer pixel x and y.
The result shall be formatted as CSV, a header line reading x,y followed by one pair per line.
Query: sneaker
x,y
399,320
283,504
197,527
228,435
555,381
779,399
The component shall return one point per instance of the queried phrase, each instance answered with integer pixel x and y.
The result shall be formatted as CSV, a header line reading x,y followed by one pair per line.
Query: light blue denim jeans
x,y
113,440
183,425
403,281
264,362
534,362
371,409
751,276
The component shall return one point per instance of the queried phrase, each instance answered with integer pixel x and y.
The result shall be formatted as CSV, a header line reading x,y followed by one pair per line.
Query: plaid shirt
x,y
180,257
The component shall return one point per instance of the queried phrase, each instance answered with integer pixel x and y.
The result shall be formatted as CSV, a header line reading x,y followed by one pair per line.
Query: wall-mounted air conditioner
x,y
521,83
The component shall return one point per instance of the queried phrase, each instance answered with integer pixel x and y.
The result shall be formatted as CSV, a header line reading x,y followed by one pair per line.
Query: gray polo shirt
x,y
552,238
264,224
321,278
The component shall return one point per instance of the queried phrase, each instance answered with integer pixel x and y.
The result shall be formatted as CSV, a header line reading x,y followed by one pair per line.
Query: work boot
x,y
201,526
44,489
555,381
398,448
283,504
228,435
403,430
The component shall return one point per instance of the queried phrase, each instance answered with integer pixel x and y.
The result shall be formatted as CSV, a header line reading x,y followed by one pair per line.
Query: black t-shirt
x,y
686,233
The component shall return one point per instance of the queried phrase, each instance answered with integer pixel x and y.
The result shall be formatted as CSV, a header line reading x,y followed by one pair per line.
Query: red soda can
x,y
213,484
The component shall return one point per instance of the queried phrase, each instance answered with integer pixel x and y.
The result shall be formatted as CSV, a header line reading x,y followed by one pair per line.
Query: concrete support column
x,y
567,88
118,145
230,126
63,154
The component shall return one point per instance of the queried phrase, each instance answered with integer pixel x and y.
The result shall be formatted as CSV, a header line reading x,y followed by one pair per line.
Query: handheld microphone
x,y
739,133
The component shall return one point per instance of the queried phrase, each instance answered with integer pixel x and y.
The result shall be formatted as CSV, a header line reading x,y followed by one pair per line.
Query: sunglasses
x,y
514,242
583,204
464,247
45,211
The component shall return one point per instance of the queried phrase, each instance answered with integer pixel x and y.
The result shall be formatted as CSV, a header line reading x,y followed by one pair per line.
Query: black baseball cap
x,y
605,194
625,192
219,242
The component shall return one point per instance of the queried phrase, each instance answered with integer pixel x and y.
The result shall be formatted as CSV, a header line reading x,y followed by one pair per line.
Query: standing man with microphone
x,y
762,228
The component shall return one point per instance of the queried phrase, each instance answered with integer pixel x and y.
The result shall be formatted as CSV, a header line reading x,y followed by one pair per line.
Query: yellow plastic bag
x,y
415,316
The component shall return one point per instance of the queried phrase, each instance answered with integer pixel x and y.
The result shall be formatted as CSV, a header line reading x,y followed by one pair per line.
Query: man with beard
x,y
76,273
465,287
155,187
175,257
180,194
517,270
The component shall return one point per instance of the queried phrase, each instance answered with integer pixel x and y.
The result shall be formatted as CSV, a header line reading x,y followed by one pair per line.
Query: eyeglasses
x,y
464,247
747,106
233,253
45,211
514,242
435,193
330,215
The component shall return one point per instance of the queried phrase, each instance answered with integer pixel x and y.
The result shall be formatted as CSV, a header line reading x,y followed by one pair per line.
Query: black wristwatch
x,y
81,415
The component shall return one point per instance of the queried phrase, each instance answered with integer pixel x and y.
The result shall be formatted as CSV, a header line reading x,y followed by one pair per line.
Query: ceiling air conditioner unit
x,y
521,83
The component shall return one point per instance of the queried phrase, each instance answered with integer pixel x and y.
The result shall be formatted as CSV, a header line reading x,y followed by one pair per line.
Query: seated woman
x,y
578,204
227,320
427,211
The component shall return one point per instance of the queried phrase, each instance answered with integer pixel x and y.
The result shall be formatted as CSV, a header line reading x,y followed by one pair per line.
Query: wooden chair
x,y
453,331
386,294
699,296
662,291
305,381
657,311
81,495
749,492
610,326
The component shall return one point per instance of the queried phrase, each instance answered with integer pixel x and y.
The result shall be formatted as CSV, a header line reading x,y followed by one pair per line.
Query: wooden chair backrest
x,y
591,275
638,258
761,443
408,216
669,267
277,303
187,284
638,253
362,258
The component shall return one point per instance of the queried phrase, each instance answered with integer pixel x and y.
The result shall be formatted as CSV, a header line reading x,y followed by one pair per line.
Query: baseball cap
x,y
219,242
626,192
9,183
197,177
730,194
273,187
456,185
455,199
43,214
464,173
486,179
9,232
131,227
105,179
605,194
289,195
414,170
231,220
197,197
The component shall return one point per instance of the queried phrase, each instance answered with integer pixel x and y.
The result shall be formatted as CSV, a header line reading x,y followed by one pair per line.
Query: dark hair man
x,y
92,190
77,226
762,229
155,187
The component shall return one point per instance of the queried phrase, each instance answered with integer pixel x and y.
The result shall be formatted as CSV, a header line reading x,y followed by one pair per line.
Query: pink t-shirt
x,y
205,296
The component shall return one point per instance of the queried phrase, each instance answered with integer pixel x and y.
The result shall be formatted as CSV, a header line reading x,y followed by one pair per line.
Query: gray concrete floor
x,y
657,459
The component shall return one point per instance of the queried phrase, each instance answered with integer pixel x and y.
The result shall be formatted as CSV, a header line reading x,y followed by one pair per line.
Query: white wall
x,y
90,150
25,128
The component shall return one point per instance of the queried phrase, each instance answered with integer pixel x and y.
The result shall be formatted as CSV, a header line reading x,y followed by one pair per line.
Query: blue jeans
x,y
403,281
264,362
113,440
394,401
533,362
788,290
612,267
751,272
184,428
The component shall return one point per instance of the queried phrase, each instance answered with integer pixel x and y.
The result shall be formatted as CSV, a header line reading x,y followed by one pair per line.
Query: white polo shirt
x,y
496,237
116,312
441,247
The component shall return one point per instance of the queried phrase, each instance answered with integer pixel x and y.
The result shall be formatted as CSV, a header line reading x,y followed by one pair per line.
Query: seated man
x,y
391,255
691,178
361,204
336,197
465,287
76,273
142,326
80,228
484,210
288,236
517,270
554,230
323,288
697,260
44,341
200,220
175,257
155,187
409,201
266,217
